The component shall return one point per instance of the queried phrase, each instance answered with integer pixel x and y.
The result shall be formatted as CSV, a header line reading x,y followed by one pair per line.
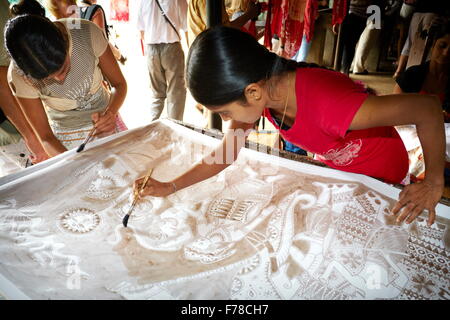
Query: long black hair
x,y
36,45
223,61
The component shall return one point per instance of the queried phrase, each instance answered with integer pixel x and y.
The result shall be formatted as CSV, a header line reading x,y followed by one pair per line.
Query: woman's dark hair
x,y
440,30
27,7
36,45
222,61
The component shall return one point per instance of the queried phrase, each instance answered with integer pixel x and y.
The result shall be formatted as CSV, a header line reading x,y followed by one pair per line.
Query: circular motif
x,y
101,188
79,220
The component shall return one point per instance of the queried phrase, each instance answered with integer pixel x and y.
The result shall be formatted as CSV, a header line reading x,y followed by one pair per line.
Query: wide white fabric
x,y
265,228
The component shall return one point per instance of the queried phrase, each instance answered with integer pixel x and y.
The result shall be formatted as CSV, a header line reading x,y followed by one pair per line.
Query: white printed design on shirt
x,y
343,156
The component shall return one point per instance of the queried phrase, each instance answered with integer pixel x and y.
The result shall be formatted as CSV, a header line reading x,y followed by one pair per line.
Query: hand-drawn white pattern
x,y
79,220
343,156
248,233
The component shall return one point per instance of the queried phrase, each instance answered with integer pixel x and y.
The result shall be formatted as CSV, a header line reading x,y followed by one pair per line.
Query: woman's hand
x,y
37,157
105,124
253,9
153,188
417,197
38,153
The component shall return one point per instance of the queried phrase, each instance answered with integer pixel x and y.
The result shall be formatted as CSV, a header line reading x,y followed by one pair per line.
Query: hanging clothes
x,y
339,11
120,10
285,18
311,12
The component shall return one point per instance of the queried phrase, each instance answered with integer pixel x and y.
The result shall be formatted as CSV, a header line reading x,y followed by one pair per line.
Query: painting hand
x,y
154,188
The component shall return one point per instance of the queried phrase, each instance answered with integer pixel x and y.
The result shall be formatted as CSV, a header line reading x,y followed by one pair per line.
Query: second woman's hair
x,y
223,61
27,7
54,7
36,45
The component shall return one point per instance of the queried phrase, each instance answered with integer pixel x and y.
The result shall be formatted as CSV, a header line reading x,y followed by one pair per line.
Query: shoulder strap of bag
x,y
167,19
88,13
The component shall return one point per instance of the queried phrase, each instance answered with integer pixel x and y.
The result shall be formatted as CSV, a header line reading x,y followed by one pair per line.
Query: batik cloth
x,y
264,228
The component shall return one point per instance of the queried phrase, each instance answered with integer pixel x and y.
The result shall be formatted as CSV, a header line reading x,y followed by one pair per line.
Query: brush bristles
x,y
80,148
125,220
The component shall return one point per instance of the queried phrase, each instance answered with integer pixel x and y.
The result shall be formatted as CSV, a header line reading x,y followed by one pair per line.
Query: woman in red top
x,y
320,110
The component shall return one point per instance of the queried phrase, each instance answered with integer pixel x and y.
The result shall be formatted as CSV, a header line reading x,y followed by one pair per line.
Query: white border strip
x,y
10,291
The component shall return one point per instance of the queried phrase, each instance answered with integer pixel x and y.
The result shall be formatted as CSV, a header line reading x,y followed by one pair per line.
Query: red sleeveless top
x,y
327,101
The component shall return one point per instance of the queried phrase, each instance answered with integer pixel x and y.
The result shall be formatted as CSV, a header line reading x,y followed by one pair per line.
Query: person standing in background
x,y
161,23
303,51
197,17
352,28
371,35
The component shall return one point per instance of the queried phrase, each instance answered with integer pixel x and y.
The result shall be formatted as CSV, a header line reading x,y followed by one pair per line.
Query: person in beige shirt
x,y
197,21
57,74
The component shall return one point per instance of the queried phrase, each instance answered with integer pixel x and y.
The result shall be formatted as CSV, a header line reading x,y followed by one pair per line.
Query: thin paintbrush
x,y
136,198
88,138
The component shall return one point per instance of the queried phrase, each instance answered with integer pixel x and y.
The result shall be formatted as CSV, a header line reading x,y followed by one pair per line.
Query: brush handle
x,y
136,198
136,195
149,173
89,136
91,133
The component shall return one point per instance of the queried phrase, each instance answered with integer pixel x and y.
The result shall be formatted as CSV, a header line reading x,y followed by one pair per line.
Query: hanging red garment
x,y
268,34
292,30
339,11
285,19
311,12
120,10
277,16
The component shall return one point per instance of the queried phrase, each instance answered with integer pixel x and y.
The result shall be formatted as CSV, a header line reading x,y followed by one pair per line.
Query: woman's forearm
x,y
431,133
51,144
118,95
12,109
15,115
224,155
198,173
209,166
